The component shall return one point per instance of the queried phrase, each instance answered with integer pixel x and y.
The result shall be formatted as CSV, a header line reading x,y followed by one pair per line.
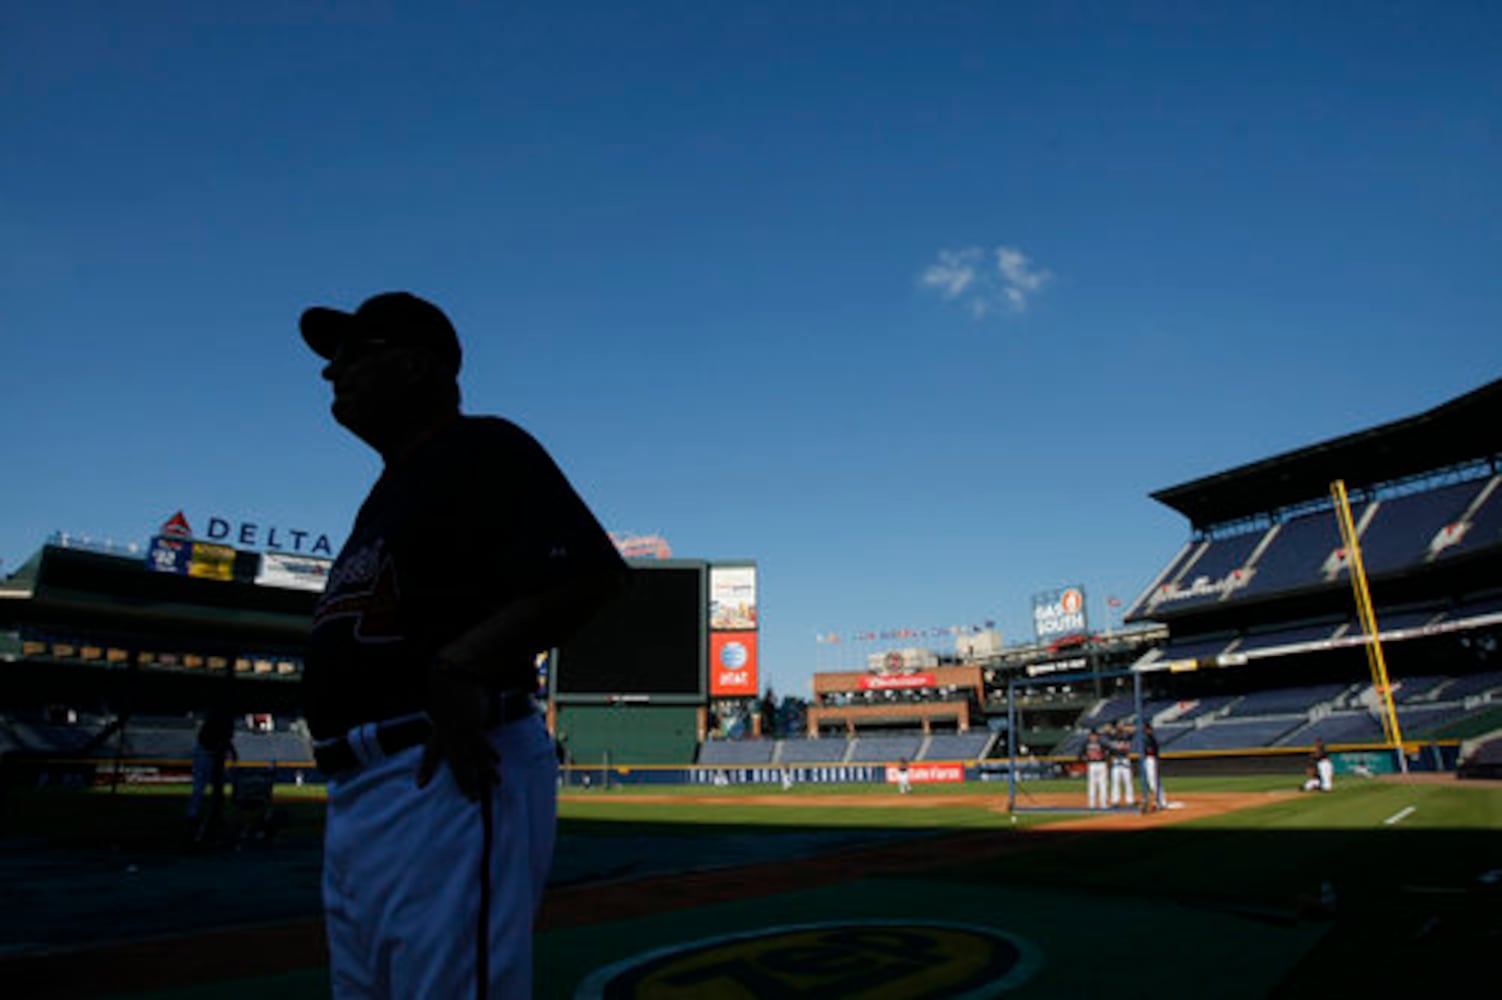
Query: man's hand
x,y
459,706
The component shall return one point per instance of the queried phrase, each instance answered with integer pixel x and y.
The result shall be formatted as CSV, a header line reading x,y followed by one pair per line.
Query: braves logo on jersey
x,y
363,586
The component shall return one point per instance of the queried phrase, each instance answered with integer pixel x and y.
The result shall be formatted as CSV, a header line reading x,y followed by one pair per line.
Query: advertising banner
x,y
279,569
928,774
900,683
732,664
212,562
1059,614
169,555
732,598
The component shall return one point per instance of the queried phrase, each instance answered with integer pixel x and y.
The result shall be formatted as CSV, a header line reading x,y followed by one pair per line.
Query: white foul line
x,y
1400,815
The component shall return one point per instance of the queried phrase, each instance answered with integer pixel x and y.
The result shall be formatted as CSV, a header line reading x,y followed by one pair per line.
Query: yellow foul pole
x,y
1368,618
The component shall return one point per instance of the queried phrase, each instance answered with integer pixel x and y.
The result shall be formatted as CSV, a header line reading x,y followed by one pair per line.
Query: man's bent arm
x,y
532,624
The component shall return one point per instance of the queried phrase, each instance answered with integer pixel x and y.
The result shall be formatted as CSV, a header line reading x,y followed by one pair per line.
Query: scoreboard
x,y
649,644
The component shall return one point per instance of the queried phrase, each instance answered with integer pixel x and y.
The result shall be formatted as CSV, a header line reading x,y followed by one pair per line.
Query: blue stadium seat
x,y
1295,558
957,746
883,749
1216,561
828,750
1284,701
1236,734
1401,528
738,753
1485,530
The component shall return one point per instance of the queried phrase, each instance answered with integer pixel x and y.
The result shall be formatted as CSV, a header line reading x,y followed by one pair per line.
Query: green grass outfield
x,y
1218,905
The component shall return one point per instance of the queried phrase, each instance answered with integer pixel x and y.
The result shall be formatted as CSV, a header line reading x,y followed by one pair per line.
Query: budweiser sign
x,y
903,682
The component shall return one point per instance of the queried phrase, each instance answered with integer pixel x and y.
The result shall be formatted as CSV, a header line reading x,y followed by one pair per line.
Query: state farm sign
x,y
928,774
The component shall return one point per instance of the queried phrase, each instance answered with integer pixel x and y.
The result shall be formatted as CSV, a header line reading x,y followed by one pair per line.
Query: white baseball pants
x,y
404,869
1095,784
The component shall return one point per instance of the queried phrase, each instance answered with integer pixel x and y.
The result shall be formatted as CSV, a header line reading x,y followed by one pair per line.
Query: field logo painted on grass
x,y
841,960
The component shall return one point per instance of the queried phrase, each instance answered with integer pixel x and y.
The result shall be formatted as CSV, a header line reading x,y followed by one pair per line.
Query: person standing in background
x,y
1119,744
1094,755
1152,787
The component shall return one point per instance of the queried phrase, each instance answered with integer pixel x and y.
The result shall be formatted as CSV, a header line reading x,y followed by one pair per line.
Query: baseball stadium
x,y
1317,813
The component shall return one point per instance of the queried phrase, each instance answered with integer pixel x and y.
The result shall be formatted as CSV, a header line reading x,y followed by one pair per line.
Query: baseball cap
x,y
396,317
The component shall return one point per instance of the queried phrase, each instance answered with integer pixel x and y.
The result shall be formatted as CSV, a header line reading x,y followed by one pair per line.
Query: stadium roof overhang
x,y
1465,429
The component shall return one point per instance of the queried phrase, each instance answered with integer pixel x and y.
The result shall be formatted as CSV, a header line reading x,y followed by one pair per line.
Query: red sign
x,y
928,774
874,683
732,664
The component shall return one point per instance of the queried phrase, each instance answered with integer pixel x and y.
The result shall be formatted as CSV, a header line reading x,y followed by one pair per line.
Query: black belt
x,y
337,755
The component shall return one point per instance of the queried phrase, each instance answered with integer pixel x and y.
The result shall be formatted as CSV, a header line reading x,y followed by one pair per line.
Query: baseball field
x,y
1245,887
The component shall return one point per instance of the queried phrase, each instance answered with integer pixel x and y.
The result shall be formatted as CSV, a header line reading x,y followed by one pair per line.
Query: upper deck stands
x,y
1402,528
1403,532
1204,578
1297,554
1484,531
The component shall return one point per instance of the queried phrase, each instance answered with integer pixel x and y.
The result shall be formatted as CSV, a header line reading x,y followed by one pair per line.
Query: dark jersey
x,y
1093,752
1149,744
477,518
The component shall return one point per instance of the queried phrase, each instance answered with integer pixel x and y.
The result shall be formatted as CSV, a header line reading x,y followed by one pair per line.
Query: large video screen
x,y
649,641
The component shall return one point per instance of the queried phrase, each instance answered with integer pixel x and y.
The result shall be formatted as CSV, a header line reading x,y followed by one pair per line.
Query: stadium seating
x,y
1199,708
883,749
273,747
957,746
1338,727
1423,720
1112,709
829,750
151,741
1398,535
1193,648
1472,685
1408,690
1236,734
1295,636
1482,761
1283,701
737,753
1215,562
1485,530
1296,555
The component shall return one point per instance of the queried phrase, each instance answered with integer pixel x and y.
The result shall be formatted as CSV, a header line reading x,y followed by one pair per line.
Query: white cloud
x,y
963,274
954,272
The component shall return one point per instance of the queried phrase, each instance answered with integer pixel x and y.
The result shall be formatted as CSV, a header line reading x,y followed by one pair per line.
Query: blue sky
x,y
914,304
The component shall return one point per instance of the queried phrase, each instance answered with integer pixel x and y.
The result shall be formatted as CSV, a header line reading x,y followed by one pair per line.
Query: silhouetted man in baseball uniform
x,y
469,555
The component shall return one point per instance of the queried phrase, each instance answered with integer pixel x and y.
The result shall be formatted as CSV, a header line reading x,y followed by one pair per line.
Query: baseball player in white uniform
x,y
1095,771
1120,747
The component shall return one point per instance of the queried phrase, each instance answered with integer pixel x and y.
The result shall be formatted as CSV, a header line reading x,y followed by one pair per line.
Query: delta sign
x,y
251,535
